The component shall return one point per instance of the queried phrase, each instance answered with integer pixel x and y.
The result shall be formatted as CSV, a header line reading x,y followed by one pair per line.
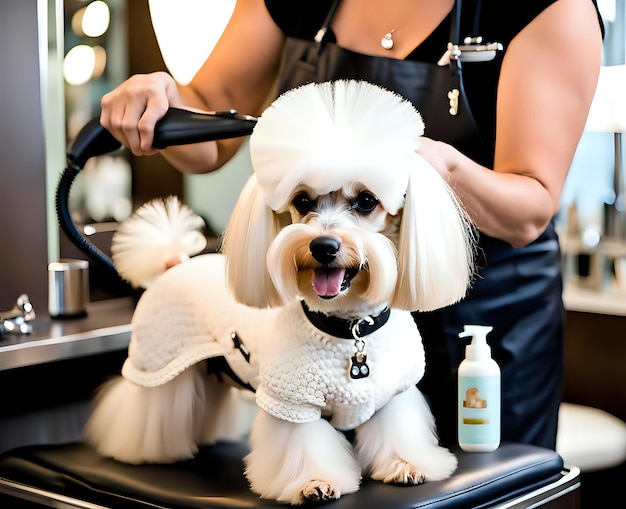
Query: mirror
x,y
111,186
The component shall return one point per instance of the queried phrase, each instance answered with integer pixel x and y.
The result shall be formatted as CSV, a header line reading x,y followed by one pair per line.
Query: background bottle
x,y
478,394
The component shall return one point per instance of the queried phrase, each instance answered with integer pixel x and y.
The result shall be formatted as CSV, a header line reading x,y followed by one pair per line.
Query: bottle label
x,y
479,410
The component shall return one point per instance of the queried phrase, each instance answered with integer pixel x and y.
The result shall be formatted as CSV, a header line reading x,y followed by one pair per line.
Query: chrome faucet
x,y
16,320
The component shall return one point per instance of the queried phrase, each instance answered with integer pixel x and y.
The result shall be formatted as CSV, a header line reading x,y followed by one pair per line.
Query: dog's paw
x,y
319,491
402,472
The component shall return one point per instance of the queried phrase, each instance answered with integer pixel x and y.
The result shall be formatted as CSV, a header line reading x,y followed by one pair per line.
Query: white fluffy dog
x,y
341,232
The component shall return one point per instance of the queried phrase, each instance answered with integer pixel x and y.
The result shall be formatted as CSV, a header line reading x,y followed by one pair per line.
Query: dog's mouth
x,y
329,282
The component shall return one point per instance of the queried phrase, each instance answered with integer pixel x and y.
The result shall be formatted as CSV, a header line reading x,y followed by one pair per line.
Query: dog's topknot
x,y
324,135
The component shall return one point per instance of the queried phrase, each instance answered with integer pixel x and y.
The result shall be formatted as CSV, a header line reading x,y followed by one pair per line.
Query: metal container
x,y
68,288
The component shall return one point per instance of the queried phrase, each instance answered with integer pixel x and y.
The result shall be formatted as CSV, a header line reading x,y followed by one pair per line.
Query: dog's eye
x,y
303,203
365,203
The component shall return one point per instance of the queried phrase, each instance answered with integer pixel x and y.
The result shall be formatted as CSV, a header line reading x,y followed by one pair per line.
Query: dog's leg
x,y
296,462
149,424
228,412
399,444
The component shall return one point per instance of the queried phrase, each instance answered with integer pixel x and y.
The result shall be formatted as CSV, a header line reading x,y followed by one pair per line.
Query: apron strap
x,y
455,25
455,34
321,33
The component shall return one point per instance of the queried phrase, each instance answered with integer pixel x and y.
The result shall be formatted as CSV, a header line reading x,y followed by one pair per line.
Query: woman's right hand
x,y
131,110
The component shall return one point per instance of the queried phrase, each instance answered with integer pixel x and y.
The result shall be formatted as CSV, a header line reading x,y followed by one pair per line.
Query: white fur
x,y
166,423
414,255
435,244
152,236
398,444
313,456
333,133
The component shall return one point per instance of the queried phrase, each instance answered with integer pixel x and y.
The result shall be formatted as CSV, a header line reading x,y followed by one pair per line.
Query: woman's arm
x,y
546,86
239,73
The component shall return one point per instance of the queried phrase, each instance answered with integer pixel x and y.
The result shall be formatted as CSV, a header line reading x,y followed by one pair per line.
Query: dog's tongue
x,y
327,282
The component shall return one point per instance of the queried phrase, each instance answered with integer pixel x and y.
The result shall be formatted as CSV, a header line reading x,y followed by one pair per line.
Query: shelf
x,y
605,302
106,328
603,290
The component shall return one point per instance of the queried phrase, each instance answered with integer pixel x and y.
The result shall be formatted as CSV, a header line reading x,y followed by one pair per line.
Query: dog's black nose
x,y
324,249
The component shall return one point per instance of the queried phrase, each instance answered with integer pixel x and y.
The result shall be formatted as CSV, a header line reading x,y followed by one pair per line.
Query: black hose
x,y
67,224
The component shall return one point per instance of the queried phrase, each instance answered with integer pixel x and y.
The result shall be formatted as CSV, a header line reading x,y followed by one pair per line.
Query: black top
x,y
498,20
494,20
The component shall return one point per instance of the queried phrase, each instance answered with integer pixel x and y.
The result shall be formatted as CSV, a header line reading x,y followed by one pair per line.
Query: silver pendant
x,y
387,41
359,367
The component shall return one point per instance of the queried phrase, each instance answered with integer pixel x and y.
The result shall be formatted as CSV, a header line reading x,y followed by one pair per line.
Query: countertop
x,y
106,328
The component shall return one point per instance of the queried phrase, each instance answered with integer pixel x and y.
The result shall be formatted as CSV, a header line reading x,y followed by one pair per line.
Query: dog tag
x,y
359,367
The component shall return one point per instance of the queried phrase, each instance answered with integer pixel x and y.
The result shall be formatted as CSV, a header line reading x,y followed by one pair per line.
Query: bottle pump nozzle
x,y
478,348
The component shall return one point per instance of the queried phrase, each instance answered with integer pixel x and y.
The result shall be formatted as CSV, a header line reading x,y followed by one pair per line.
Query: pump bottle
x,y
478,394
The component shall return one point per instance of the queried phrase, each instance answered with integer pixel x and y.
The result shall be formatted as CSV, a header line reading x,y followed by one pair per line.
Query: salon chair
x,y
75,476
590,438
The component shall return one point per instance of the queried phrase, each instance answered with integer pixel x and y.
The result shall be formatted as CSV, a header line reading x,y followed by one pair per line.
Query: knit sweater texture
x,y
299,373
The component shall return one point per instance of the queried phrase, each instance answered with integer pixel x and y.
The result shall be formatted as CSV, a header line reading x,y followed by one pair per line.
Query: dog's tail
x,y
158,235
167,423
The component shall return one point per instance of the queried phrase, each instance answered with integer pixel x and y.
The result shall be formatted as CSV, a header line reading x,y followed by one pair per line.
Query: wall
x,y
595,356
152,176
23,251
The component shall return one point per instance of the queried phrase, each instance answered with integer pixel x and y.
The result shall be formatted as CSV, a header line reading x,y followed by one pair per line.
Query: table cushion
x,y
214,479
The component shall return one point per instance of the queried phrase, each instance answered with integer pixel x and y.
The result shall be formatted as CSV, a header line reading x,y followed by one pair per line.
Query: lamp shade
x,y
187,31
608,109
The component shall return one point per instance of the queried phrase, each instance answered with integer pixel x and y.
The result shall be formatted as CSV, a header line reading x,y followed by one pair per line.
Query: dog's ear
x,y
250,231
436,244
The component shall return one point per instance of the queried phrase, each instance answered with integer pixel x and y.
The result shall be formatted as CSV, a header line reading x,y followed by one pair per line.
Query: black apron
x,y
518,291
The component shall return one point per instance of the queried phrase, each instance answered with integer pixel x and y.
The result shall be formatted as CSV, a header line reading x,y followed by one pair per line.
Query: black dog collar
x,y
346,329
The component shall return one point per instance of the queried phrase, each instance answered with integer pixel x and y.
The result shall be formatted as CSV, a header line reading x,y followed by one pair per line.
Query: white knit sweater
x,y
299,372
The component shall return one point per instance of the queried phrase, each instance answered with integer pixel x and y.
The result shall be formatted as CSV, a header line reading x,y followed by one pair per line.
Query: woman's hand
x,y
440,155
510,206
131,110
229,78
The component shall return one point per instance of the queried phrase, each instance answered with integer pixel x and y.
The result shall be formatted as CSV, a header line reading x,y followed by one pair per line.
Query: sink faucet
x,y
16,320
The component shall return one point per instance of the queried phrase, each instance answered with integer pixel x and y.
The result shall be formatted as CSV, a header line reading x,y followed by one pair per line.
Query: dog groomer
x,y
504,107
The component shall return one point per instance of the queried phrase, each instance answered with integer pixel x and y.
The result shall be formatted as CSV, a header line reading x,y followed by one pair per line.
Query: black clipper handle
x,y
182,127
177,127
